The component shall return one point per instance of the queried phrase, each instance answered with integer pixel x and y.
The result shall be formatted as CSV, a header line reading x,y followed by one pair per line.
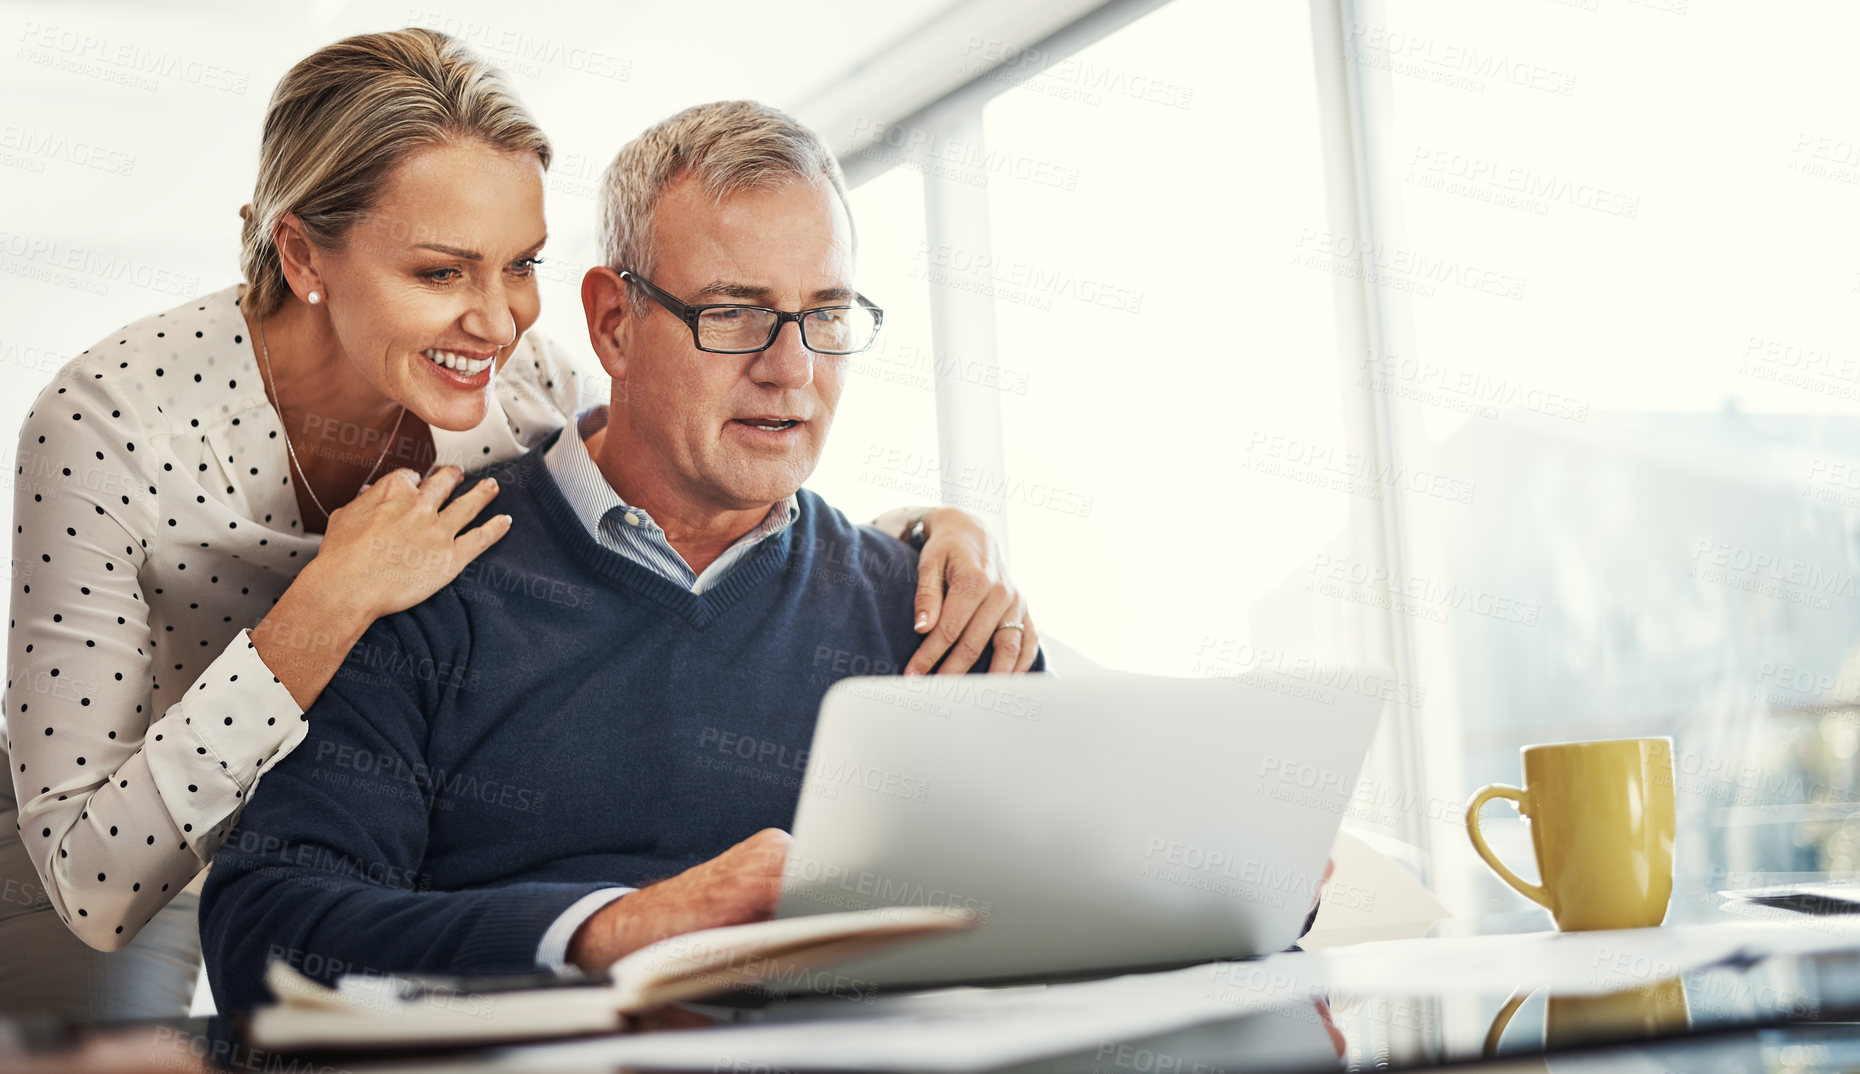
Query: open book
x,y
415,1010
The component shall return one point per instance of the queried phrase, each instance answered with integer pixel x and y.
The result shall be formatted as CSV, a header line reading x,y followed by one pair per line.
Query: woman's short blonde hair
x,y
344,117
728,146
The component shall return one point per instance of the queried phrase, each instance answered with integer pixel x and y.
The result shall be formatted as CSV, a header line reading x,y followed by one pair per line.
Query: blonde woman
x,y
214,503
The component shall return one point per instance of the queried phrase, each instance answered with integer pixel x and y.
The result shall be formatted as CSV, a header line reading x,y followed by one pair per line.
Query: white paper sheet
x,y
1370,897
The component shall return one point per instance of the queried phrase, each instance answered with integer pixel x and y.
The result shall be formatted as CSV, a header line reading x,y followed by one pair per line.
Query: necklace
x,y
264,351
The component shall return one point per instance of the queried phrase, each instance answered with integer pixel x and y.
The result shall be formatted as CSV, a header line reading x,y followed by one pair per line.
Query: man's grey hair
x,y
729,146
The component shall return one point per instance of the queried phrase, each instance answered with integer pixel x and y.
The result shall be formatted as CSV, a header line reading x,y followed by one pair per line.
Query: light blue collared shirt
x,y
630,531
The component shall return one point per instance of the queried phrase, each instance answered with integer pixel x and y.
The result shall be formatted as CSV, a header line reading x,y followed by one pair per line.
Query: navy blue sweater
x,y
557,720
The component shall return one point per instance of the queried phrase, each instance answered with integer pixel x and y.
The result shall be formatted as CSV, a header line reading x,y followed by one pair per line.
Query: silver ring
x,y
1015,625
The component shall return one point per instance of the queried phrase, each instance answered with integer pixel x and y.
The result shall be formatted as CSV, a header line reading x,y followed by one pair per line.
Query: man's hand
x,y
737,886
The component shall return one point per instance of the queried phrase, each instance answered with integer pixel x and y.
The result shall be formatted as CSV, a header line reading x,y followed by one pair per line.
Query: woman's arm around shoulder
x,y
966,603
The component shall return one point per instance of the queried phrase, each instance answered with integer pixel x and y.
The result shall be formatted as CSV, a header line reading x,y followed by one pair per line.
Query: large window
x,y
1604,430
1140,375
883,452
1170,375
1618,314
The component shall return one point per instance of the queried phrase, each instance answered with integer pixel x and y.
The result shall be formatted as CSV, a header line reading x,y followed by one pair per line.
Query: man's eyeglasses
x,y
731,329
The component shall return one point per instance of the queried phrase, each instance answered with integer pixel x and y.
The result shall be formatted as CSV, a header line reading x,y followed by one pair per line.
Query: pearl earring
x,y
314,297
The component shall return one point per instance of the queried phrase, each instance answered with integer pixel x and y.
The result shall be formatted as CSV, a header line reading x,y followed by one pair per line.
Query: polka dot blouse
x,y
155,523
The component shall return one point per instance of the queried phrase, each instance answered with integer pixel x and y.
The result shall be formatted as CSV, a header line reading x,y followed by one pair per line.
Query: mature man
x,y
498,776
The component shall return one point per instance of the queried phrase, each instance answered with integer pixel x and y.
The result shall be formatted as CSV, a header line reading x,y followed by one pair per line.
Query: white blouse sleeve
x,y
119,807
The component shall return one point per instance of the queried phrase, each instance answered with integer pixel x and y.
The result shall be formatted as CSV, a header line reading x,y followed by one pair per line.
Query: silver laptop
x,y
1095,823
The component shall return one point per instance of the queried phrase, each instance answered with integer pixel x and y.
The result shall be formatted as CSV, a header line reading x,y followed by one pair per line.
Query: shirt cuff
x,y
552,952
207,750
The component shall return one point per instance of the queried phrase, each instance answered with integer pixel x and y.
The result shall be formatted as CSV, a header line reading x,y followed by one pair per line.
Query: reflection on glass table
x,y
1790,1014
1737,1007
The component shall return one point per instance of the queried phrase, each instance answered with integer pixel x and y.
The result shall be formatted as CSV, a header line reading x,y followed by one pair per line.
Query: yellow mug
x,y
1602,822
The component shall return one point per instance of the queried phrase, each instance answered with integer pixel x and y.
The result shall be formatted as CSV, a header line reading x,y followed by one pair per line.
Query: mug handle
x,y
1503,1019
1533,892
